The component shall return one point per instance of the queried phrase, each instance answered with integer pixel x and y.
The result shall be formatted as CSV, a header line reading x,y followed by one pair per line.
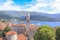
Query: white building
x,y
11,35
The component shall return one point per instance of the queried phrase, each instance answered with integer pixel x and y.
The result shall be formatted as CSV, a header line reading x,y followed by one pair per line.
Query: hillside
x,y
21,15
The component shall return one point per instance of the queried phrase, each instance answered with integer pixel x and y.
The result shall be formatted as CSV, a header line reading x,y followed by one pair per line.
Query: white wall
x,y
12,37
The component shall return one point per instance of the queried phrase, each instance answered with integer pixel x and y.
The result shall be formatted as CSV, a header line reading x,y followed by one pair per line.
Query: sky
x,y
44,6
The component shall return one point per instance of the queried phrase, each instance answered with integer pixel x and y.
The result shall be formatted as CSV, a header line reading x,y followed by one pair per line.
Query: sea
x,y
41,23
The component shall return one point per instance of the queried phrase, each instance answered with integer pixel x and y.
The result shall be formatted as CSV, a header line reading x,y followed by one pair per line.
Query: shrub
x,y
58,33
6,29
0,33
45,33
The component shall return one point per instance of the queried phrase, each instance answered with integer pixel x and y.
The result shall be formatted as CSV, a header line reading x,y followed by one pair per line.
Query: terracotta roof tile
x,y
22,37
11,33
19,25
1,39
2,27
33,27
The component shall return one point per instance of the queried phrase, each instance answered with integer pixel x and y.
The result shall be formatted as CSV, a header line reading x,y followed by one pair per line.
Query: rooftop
x,y
22,37
11,33
1,39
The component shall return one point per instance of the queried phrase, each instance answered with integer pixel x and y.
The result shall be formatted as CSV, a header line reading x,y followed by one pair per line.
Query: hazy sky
x,y
45,6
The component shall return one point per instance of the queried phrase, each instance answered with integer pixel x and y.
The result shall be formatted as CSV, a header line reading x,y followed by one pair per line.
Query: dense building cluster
x,y
18,31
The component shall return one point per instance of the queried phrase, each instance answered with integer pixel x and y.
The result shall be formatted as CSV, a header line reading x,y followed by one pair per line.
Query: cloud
x,y
45,6
56,6
42,6
9,5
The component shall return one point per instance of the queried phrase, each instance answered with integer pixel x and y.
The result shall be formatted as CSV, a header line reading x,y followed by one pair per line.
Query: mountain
x,y
56,16
14,13
21,15
39,18
2,15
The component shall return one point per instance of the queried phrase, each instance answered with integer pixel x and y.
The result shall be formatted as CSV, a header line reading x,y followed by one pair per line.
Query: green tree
x,y
58,33
44,33
2,32
7,29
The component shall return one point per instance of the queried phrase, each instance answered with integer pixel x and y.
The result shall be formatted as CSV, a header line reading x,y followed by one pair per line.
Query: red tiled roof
x,y
1,39
32,26
11,33
22,37
2,27
19,25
